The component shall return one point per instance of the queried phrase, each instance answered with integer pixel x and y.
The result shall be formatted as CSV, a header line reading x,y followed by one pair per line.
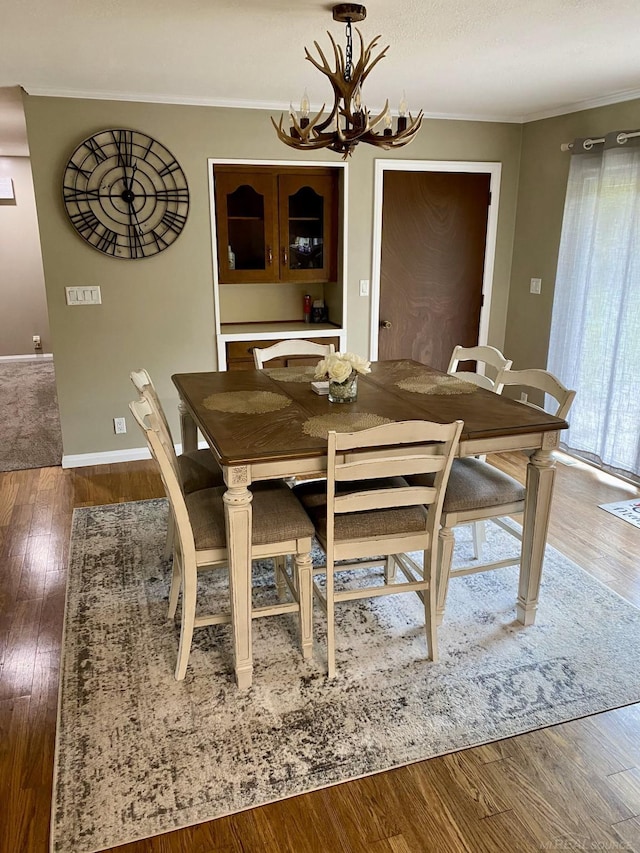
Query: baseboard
x,y
106,457
43,356
110,457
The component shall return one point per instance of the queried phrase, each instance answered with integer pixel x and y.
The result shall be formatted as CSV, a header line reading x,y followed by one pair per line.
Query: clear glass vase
x,y
344,392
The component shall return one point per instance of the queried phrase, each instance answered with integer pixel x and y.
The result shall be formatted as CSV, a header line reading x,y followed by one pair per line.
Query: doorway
x,y
435,225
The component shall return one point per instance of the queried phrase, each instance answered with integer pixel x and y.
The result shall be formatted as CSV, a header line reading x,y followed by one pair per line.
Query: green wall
x,y
543,184
158,312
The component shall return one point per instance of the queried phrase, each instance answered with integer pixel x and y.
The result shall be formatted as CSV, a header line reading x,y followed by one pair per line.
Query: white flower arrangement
x,y
339,366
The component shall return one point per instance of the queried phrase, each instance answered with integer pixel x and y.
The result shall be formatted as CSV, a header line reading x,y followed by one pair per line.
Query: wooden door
x,y
434,229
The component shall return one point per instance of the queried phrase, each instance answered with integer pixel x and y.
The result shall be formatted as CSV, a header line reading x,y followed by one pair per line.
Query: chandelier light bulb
x,y
402,114
357,97
305,106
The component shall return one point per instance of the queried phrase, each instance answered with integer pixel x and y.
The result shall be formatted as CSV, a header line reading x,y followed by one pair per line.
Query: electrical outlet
x,y
524,397
536,285
37,343
119,425
364,287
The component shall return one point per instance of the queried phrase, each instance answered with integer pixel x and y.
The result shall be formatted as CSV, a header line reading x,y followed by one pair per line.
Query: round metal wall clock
x,y
125,194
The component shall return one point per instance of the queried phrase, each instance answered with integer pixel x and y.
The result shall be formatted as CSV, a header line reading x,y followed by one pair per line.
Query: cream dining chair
x,y
478,491
197,469
486,357
367,509
482,355
294,347
279,527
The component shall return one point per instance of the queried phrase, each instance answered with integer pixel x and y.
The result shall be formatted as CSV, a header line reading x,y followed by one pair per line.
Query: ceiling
x,y
504,60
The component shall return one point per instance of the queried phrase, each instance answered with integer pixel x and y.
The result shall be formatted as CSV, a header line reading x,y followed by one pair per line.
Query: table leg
x,y
237,505
540,477
188,429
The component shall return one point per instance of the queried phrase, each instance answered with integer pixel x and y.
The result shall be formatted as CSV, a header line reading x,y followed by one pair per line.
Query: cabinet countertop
x,y
269,330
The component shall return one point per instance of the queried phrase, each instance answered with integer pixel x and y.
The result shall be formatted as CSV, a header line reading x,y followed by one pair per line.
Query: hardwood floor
x,y
574,786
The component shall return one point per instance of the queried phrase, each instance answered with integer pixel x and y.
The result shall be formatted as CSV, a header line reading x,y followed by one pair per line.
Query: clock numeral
x,y
123,141
108,241
96,150
173,166
173,194
159,241
148,149
77,168
173,221
85,221
73,194
136,249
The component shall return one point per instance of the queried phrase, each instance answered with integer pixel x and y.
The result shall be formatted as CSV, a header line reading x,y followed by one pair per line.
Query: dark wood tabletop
x,y
246,438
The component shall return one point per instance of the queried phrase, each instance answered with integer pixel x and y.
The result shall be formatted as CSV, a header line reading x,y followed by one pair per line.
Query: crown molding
x,y
272,106
280,106
590,104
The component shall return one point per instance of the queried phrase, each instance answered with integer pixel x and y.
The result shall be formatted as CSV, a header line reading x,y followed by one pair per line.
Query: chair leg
x,y
331,626
445,558
281,584
189,590
430,619
479,538
304,582
174,591
171,535
390,569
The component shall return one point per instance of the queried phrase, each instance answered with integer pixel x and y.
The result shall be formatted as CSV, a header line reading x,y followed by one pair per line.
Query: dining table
x,y
270,423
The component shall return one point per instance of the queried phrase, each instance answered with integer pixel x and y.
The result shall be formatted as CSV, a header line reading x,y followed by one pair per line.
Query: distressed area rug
x,y
139,753
29,416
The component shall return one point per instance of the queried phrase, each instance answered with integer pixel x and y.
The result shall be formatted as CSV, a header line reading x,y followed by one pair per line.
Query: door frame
x,y
381,166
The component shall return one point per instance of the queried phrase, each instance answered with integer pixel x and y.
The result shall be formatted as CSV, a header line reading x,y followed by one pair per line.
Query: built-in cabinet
x,y
276,225
278,235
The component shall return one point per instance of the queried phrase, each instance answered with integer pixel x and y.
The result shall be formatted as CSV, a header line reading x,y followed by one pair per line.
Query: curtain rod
x,y
588,144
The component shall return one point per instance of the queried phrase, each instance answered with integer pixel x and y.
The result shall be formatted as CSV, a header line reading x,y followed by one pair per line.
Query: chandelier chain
x,y
348,68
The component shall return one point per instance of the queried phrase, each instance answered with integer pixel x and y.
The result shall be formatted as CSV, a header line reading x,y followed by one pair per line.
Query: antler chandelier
x,y
349,122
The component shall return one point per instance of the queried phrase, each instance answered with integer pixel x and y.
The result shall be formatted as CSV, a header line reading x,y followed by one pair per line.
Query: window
x,y
595,329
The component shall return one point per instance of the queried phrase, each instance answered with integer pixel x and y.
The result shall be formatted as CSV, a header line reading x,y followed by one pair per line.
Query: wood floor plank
x,y
20,654
628,834
626,786
34,568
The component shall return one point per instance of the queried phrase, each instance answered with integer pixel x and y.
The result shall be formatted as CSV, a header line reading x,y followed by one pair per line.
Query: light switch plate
x,y
364,287
536,285
83,295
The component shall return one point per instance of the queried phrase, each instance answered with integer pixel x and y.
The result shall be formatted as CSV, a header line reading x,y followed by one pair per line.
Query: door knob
x,y
385,324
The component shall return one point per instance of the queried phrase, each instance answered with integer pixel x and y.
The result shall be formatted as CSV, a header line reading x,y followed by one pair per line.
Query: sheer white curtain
x,y
595,328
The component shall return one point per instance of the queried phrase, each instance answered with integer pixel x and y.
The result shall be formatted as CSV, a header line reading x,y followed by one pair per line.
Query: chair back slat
x,y
405,432
541,380
385,499
293,347
396,466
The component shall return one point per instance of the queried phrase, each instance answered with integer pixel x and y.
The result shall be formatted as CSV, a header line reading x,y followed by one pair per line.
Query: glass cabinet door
x,y
246,226
307,243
